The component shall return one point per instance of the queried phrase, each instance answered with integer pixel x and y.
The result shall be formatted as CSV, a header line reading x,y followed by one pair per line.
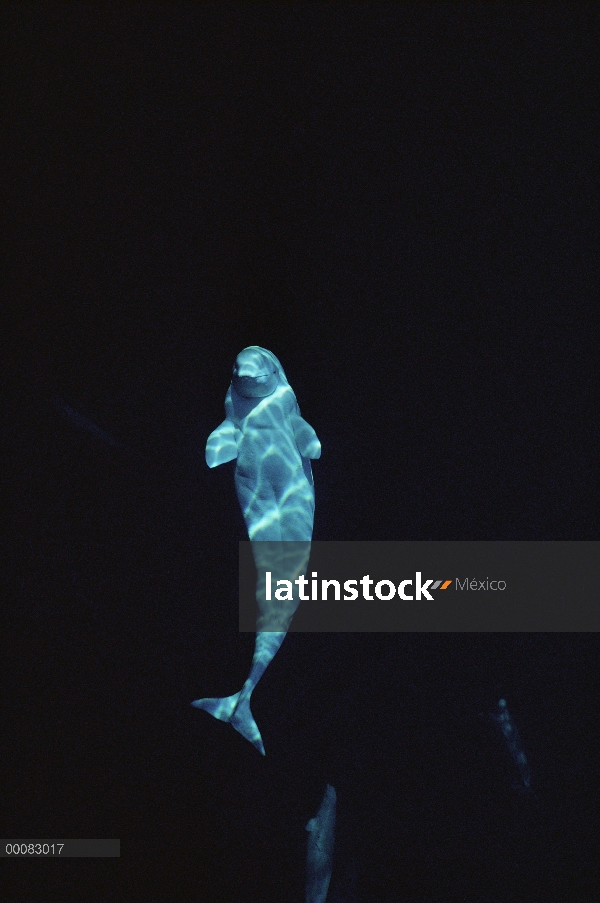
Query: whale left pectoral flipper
x,y
236,711
306,438
221,445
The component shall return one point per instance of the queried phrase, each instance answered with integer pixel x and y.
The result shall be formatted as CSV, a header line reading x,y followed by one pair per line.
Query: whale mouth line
x,y
255,386
263,375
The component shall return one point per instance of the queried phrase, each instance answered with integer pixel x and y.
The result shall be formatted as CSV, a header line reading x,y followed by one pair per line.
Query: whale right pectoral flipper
x,y
221,446
306,438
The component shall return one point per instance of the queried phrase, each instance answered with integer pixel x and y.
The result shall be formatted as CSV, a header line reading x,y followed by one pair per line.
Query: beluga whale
x,y
319,853
272,446
508,729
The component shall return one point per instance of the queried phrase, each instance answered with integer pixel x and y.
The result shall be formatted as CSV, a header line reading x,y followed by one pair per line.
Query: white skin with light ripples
x,y
272,445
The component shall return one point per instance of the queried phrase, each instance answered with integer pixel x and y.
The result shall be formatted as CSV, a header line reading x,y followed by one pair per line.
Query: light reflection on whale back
x,y
273,479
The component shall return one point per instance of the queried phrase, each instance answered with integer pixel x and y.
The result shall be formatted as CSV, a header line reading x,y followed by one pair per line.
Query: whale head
x,y
254,374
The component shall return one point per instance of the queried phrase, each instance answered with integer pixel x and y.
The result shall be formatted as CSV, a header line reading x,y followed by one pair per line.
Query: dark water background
x,y
397,202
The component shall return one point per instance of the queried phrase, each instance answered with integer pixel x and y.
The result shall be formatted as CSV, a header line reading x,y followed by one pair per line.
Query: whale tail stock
x,y
236,711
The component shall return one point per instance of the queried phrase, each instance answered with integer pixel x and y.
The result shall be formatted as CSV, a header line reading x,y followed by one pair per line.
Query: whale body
x,y
513,742
272,446
81,422
319,854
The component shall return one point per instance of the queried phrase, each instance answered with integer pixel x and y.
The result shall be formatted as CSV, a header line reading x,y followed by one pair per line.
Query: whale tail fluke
x,y
244,723
221,708
237,712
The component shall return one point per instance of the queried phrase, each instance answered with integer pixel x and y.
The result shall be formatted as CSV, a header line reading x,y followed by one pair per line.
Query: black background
x,y
397,201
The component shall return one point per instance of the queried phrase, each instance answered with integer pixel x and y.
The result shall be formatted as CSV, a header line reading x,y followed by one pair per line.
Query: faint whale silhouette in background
x,y
319,853
272,445
82,423
512,739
